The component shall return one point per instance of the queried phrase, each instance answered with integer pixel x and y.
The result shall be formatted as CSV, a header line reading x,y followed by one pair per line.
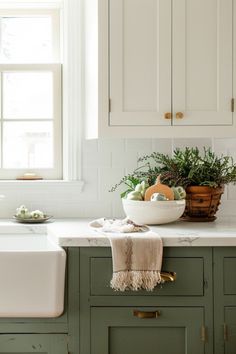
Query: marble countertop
x,y
77,233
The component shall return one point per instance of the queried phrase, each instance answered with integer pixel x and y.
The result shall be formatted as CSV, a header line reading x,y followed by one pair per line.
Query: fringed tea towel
x,y
117,225
137,260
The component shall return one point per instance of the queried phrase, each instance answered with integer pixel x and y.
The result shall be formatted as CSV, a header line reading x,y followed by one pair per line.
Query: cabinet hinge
x,y
225,330
203,333
232,105
109,105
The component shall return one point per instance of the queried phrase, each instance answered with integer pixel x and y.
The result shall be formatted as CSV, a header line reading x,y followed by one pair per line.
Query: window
x,y
30,93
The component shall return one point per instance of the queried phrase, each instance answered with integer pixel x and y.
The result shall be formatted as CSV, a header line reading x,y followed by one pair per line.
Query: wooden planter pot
x,y
202,203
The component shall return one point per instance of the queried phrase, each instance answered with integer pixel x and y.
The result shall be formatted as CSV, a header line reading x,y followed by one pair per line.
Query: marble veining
x,y
77,233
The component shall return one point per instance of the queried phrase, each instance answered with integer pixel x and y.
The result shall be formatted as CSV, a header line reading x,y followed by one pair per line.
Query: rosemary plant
x,y
185,168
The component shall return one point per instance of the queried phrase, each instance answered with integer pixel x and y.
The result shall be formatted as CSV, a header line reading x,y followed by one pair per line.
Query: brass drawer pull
x,y
225,329
146,314
168,276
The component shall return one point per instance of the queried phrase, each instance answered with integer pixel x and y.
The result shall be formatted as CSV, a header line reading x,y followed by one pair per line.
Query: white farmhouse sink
x,y
32,276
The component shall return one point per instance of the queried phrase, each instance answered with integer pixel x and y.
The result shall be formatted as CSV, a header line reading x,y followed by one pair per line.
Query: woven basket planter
x,y
202,203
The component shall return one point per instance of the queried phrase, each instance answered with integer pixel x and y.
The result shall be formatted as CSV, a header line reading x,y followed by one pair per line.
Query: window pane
x,y
28,145
27,95
26,39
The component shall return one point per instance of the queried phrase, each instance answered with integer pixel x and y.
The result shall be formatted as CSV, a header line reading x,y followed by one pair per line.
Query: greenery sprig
x,y
185,168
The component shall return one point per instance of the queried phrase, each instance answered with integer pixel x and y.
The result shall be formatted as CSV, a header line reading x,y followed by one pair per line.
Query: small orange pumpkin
x,y
158,187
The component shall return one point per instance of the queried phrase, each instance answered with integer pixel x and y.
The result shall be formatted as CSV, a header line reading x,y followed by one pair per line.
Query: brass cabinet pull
x,y
179,115
168,115
168,276
225,329
146,314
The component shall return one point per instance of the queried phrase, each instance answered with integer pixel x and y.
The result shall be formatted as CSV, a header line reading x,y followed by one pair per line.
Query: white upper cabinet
x,y
202,62
140,62
160,68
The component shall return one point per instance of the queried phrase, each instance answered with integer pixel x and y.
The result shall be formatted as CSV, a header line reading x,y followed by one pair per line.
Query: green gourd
x,y
158,197
179,193
134,195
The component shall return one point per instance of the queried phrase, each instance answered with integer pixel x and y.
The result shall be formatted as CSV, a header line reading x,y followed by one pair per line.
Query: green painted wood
x,y
224,299
230,320
73,304
229,267
33,344
89,301
189,282
117,331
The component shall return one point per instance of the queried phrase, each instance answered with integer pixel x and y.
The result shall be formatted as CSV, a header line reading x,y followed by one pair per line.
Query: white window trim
x,y
73,89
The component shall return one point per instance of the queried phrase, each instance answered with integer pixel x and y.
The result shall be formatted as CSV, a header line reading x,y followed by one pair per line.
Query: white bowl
x,y
153,213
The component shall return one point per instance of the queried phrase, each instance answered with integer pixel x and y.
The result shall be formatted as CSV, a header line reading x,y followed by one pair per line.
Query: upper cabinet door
x,y
202,62
140,62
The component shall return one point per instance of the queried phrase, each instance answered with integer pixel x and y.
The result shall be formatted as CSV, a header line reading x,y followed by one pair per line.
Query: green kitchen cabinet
x,y
116,330
225,300
194,314
33,343
176,318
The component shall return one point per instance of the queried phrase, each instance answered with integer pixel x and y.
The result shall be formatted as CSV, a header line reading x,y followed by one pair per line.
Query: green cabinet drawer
x,y
189,282
33,343
229,268
116,330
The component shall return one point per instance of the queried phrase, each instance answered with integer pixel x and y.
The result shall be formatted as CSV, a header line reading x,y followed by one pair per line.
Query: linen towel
x,y
116,225
137,260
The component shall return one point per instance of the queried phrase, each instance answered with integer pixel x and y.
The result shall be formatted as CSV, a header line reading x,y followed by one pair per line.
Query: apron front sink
x,y
32,276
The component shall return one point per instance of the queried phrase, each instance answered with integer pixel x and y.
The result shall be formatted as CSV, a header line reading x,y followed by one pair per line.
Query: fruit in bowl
x,y
153,205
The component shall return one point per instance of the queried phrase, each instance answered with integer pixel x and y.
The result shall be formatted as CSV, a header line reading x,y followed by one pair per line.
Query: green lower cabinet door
x,y
229,330
33,344
162,330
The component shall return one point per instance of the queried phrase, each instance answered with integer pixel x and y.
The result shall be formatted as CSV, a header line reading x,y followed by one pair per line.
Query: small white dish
x,y
32,220
153,212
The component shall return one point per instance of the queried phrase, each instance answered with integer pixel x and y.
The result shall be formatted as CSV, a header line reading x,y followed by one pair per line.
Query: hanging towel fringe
x,y
135,280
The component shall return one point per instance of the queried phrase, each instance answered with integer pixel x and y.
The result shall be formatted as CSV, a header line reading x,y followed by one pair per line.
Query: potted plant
x,y
202,175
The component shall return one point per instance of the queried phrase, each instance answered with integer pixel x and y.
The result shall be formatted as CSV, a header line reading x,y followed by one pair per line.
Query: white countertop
x,y
77,233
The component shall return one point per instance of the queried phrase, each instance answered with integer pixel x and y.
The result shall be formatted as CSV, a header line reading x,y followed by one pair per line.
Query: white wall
x,y
104,163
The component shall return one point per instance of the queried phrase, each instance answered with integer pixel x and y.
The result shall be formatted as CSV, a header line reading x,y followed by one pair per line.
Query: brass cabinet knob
x,y
168,115
179,115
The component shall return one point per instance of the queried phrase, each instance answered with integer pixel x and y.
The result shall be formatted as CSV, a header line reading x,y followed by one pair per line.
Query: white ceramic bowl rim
x,y
155,202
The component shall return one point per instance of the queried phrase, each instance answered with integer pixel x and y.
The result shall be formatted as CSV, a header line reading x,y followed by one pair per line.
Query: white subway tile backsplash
x,y
200,143
104,163
143,146
108,177
126,159
163,146
91,178
97,209
117,209
111,145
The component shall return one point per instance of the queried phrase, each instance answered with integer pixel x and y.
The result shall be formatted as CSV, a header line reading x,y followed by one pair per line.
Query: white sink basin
x,y
32,276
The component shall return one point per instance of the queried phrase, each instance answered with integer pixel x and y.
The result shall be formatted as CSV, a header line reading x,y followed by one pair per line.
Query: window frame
x,y
72,33
55,67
